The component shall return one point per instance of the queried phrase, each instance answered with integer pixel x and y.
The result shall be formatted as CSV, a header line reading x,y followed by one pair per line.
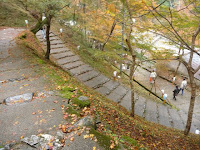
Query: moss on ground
x,y
80,103
72,110
103,140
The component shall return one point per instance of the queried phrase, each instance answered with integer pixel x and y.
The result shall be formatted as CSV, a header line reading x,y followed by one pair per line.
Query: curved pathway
x,y
150,110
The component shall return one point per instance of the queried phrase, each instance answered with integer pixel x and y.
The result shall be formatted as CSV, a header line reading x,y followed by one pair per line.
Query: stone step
x,y
183,116
103,90
140,106
88,76
54,38
66,60
126,101
62,55
59,50
196,123
80,70
176,119
117,94
111,85
163,115
151,111
55,42
69,66
97,81
57,46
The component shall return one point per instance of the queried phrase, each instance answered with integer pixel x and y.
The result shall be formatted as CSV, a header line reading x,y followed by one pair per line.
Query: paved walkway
x,y
150,110
18,76
182,102
43,113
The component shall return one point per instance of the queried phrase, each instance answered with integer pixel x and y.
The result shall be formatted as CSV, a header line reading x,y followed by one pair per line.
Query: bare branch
x,y
166,38
196,70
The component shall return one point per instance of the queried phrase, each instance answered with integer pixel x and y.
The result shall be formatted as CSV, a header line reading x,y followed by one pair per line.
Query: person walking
x,y
173,80
153,76
183,85
175,92
114,75
43,27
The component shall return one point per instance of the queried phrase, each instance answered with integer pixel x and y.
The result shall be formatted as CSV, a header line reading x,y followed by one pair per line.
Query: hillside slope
x,y
12,15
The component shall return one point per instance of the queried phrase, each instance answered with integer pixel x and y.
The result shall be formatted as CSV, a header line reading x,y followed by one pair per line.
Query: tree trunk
x,y
48,37
175,73
131,77
192,101
111,31
38,26
193,84
179,63
123,25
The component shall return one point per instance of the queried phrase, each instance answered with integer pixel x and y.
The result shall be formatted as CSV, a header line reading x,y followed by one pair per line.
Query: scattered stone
x,y
45,93
59,135
19,99
85,121
83,98
33,140
16,79
44,141
8,146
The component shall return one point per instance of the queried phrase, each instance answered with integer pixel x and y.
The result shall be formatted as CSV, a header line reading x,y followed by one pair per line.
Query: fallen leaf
x,y
72,139
86,136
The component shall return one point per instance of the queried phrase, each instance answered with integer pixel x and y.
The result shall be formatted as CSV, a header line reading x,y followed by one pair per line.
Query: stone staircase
x,y
150,110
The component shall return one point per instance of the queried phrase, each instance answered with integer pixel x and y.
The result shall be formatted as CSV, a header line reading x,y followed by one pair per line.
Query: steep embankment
x,y
12,14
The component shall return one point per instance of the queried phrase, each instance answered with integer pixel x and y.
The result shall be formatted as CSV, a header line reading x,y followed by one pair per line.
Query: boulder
x,y
24,98
87,121
33,140
44,141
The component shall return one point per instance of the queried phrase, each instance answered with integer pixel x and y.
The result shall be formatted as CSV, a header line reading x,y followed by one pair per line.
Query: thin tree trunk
x,y
123,25
111,31
193,84
131,77
179,63
48,37
192,101
74,15
38,26
175,73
